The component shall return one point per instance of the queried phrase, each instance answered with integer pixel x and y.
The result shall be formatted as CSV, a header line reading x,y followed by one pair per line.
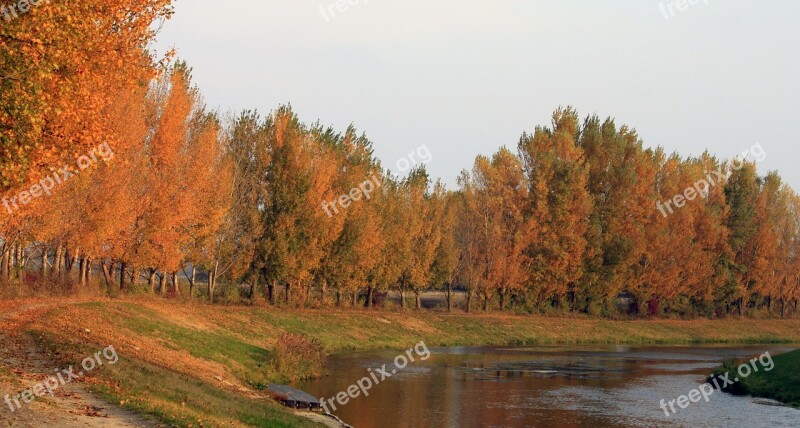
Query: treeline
x,y
163,189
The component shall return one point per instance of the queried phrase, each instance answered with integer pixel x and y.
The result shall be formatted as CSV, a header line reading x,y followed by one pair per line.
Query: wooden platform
x,y
295,398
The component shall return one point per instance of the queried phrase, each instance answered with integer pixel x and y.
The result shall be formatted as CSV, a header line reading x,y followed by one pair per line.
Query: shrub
x,y
296,357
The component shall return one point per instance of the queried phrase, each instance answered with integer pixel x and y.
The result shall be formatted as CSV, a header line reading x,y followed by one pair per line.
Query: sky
x,y
465,77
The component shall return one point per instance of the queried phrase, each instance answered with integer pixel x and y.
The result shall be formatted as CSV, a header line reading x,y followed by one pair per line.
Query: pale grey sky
x,y
467,76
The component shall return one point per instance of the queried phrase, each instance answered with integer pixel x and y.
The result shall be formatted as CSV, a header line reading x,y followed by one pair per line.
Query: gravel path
x,y
23,365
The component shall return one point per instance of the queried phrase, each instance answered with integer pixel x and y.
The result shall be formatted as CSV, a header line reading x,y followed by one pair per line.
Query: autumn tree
x,y
247,150
741,192
355,252
58,63
423,210
208,193
299,178
621,183
559,206
470,237
447,261
501,192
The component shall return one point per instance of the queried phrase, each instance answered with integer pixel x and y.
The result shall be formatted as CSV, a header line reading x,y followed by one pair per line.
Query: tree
x,y
423,213
621,177
470,238
299,178
448,261
500,194
559,205
246,147
356,250
58,63
742,192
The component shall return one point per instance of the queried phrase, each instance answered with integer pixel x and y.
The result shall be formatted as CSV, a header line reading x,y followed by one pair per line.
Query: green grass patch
x,y
174,398
782,383
184,401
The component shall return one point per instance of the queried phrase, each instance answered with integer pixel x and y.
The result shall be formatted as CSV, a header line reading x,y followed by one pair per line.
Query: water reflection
x,y
552,386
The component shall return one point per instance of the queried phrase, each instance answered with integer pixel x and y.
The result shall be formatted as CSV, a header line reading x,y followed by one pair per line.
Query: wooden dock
x,y
294,398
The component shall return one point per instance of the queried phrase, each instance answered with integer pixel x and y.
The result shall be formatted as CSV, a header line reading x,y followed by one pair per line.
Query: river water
x,y
547,386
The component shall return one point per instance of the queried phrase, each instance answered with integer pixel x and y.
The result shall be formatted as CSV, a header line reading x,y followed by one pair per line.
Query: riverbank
x,y
195,364
781,383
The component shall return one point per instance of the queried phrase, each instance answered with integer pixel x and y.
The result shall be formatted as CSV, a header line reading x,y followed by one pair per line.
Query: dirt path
x,y
23,365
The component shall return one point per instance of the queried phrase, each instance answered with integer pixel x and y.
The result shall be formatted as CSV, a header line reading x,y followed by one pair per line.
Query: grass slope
x,y
782,383
198,365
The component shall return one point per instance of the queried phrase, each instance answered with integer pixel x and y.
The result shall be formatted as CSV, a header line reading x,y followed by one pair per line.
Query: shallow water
x,y
547,386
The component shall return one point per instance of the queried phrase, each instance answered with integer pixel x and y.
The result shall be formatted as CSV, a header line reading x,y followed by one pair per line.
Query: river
x,y
546,386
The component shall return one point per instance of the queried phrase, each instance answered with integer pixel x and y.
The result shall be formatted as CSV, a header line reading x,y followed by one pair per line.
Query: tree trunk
x,y
82,272
288,292
108,271
212,282
323,292
353,298
211,286
67,261
44,261
16,261
74,261
123,268
338,299
368,299
502,300
8,261
418,300
254,287
449,296
88,271
151,280
485,303
304,291
469,301
22,259
134,276
192,279
162,283
175,284
58,262
13,255
5,268
402,299
271,292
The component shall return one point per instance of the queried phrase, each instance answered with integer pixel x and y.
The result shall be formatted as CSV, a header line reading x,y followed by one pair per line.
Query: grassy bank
x,y
198,365
782,383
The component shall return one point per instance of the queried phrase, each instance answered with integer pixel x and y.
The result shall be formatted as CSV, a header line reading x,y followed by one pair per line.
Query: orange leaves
x,y
496,196
301,175
559,204
64,59
184,210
